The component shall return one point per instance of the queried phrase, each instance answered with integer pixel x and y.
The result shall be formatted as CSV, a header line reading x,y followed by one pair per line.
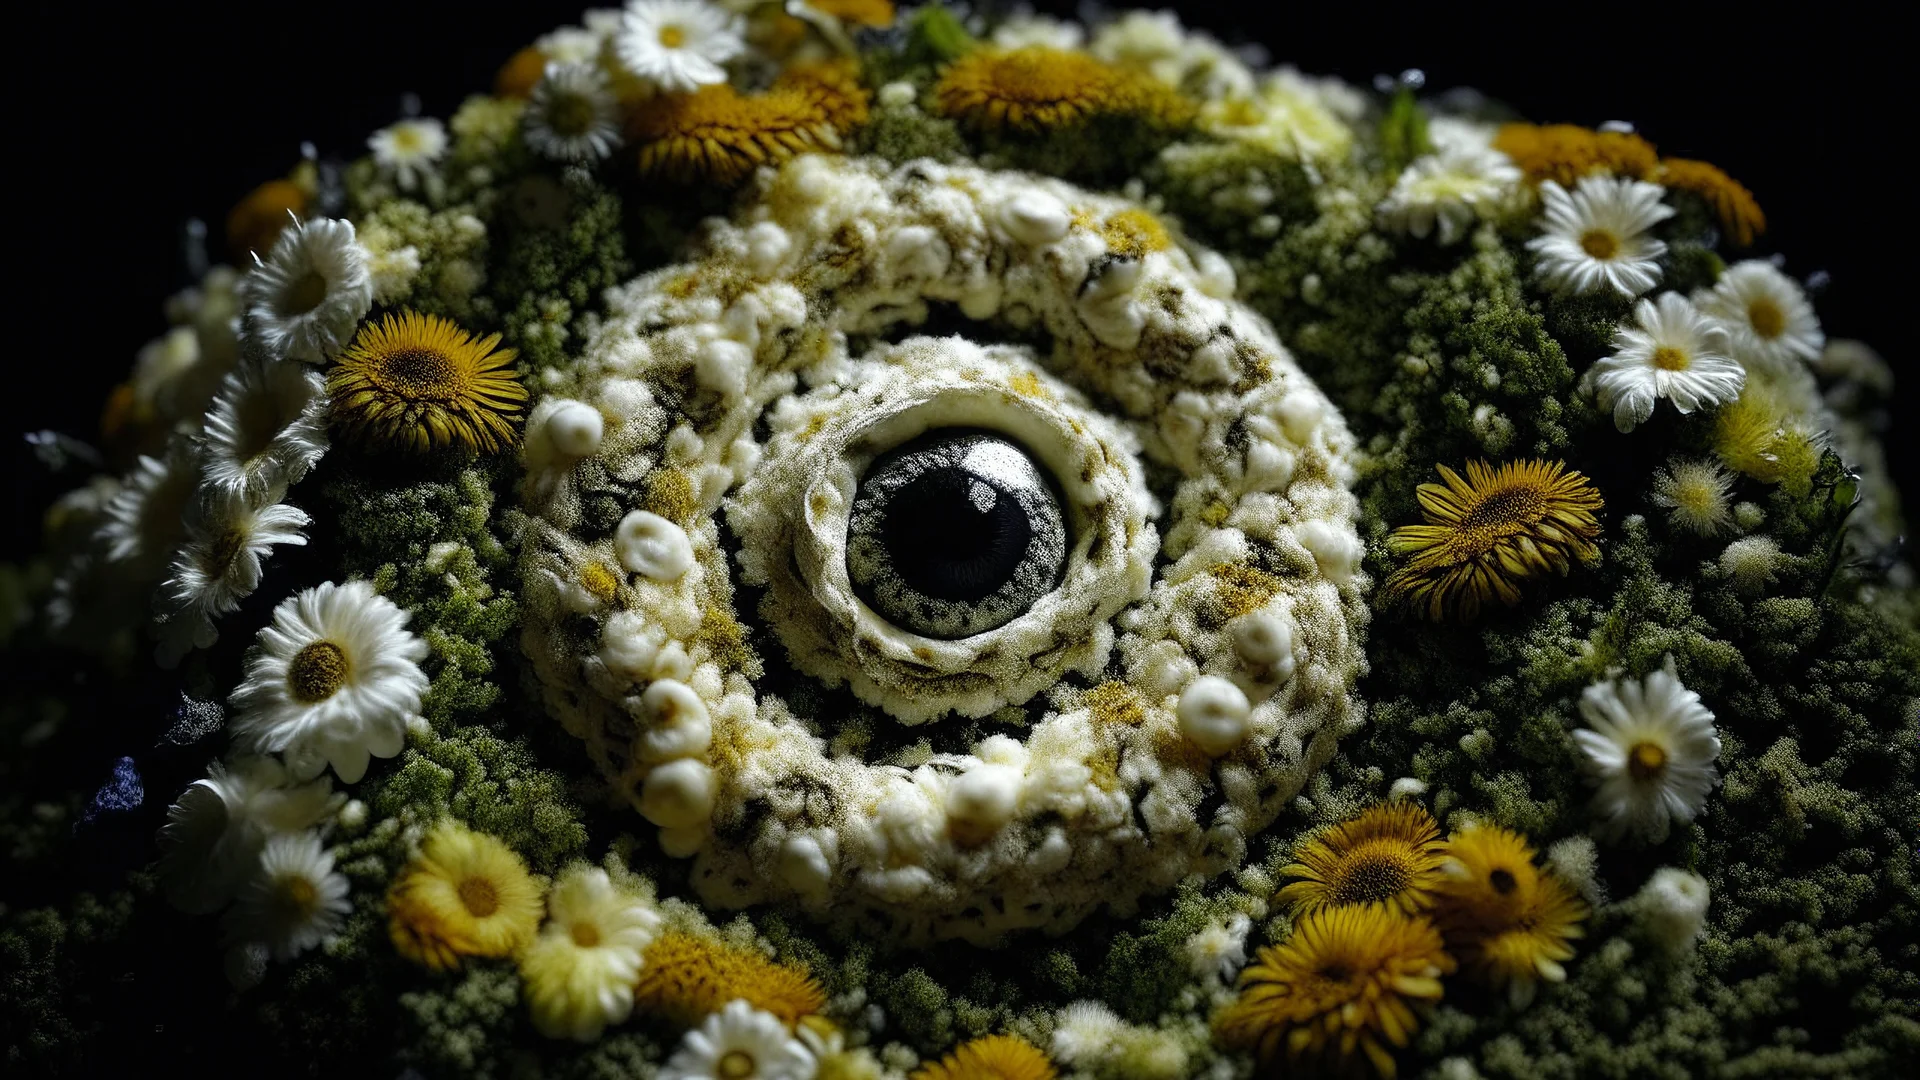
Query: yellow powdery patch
x,y
1135,232
1039,89
685,978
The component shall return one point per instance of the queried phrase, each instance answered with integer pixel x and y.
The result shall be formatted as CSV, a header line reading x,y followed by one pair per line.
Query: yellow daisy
x,y
520,74
1489,532
465,894
716,135
1348,979
1038,89
256,220
1508,921
994,1057
1486,878
833,86
1739,212
1389,854
685,978
420,382
1564,153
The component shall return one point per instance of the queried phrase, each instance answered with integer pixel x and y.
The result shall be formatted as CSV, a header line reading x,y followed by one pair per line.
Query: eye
x,y
955,533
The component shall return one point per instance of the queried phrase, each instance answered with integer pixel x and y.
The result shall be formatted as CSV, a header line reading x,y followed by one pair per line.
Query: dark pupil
x,y
954,535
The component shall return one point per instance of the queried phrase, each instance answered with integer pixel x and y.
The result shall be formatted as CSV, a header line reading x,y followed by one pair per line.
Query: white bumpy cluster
x,y
1191,668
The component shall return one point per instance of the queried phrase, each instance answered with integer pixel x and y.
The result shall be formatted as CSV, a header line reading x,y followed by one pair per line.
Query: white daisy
x,y
1450,189
1597,236
678,45
146,519
304,300
265,430
294,900
407,150
740,1043
214,833
579,973
572,115
1674,352
1767,314
333,681
219,565
1650,748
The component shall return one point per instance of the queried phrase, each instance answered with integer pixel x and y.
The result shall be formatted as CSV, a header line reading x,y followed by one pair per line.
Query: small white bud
x,y
1672,906
678,795
650,544
575,428
1214,714
1035,218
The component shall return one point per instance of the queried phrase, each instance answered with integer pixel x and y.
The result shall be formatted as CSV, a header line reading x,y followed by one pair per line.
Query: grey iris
x,y
955,533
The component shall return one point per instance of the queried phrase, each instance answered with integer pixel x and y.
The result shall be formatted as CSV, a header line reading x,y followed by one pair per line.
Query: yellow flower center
x,y
304,294
571,114
600,581
1668,358
296,899
735,1065
1646,761
316,672
1508,509
479,897
1336,972
1503,881
220,555
1600,243
418,373
585,934
1372,878
672,37
1767,318
406,139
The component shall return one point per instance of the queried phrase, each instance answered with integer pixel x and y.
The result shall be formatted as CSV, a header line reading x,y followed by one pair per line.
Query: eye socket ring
x,y
795,517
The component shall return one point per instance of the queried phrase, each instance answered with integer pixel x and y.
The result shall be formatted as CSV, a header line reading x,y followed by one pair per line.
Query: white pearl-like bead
x,y
1035,218
678,795
678,724
650,544
1264,643
804,864
575,429
1214,714
981,800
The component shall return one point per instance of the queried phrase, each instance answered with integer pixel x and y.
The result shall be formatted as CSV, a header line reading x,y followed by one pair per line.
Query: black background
x,y
129,120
